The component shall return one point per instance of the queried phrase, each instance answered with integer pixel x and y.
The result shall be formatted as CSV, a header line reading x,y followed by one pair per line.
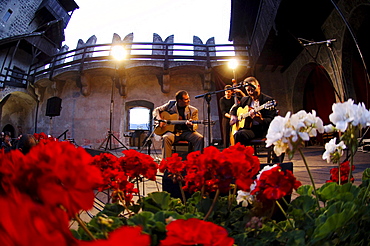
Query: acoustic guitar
x,y
243,113
171,120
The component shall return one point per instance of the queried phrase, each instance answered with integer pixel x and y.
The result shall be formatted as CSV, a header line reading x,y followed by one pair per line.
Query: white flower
x,y
329,128
289,132
244,197
363,116
333,151
277,129
343,113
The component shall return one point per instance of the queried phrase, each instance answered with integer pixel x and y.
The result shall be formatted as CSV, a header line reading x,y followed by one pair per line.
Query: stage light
x,y
233,64
118,52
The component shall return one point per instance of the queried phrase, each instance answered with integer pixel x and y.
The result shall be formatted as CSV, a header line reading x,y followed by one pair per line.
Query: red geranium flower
x,y
59,174
42,138
114,177
245,165
214,170
25,222
135,164
196,232
11,165
173,164
344,173
123,236
274,184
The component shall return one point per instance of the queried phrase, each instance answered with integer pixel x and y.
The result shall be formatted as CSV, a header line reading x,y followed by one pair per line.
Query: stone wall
x,y
18,23
88,117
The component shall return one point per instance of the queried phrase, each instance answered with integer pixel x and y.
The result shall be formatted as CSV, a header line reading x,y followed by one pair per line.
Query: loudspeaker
x,y
53,106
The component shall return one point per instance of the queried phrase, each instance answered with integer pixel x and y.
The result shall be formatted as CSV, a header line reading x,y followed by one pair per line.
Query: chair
x,y
258,143
182,143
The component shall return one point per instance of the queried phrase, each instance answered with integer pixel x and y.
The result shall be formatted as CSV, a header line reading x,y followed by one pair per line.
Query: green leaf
x,y
144,219
296,237
305,190
112,209
366,174
161,198
156,201
328,191
304,203
336,217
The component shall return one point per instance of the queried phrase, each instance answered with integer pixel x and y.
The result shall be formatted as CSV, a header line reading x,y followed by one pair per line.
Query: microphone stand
x,y
207,97
148,141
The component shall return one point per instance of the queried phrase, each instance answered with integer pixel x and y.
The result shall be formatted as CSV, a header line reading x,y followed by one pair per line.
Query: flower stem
x,y
232,196
124,203
84,227
350,166
138,188
339,177
213,204
310,175
283,211
365,194
182,192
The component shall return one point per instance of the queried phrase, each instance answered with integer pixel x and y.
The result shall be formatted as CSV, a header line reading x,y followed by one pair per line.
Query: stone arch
x,y
314,90
354,72
18,109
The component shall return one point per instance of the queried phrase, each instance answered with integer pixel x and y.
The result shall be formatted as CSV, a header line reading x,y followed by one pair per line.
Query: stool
x,y
260,142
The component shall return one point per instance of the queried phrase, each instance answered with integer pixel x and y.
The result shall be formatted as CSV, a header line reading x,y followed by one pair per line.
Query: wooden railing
x,y
164,55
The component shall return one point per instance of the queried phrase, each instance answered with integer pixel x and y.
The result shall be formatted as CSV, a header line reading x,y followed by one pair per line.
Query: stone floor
x,y
320,171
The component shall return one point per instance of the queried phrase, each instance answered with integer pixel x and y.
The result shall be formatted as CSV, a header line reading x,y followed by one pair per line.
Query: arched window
x,y
139,118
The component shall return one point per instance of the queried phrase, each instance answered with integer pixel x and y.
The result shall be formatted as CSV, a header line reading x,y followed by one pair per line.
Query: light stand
x,y
233,64
108,140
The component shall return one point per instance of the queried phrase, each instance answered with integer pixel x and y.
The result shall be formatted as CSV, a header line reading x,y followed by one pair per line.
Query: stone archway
x,y
314,90
319,94
355,74
18,110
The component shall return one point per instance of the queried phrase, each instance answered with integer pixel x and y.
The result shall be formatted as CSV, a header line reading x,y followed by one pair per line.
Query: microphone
x,y
249,84
327,42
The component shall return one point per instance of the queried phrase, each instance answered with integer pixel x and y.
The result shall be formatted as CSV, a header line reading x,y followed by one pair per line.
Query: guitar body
x,y
172,120
240,123
244,120
168,127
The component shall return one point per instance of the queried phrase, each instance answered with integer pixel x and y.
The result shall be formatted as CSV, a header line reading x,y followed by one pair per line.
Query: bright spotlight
x,y
118,52
233,63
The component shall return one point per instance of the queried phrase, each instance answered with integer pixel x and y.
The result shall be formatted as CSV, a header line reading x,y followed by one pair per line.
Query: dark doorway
x,y
9,128
319,95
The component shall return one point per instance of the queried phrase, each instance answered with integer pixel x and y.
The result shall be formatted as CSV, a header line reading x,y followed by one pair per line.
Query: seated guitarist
x,y
257,123
181,110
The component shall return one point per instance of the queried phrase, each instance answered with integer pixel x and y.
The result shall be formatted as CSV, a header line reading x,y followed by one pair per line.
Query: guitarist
x,y
184,111
256,125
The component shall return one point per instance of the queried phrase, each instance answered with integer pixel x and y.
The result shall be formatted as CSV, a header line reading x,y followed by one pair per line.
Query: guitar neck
x,y
179,122
247,114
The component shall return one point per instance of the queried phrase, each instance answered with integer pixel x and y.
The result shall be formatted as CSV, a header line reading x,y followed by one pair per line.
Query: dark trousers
x,y
244,135
226,131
